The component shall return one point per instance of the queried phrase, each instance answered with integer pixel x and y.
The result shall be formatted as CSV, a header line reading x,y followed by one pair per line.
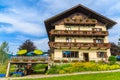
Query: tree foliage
x,y
28,45
4,49
112,60
115,49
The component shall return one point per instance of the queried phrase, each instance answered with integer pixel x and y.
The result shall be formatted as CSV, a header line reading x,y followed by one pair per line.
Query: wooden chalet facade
x,y
79,33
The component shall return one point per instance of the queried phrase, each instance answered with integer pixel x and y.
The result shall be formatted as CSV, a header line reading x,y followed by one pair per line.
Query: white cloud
x,y
42,44
29,19
114,33
22,26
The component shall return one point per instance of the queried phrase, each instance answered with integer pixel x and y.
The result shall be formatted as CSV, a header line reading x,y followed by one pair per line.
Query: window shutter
x,y
94,40
105,55
98,54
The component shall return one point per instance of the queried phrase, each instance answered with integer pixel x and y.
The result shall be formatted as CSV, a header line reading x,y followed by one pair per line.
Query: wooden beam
x,y
8,69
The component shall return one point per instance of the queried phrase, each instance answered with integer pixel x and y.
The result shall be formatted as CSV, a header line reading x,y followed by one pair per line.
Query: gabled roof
x,y
79,8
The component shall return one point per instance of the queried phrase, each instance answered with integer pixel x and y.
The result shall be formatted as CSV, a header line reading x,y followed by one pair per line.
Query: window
x,y
70,54
68,39
101,54
68,28
98,40
119,43
97,29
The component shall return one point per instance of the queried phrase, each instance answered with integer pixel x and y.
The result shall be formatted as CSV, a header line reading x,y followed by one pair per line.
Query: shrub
x,y
92,61
53,70
112,60
103,67
69,69
39,66
114,67
62,72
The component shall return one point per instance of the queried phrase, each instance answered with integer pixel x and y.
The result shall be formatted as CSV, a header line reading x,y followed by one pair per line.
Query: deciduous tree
x,y
28,45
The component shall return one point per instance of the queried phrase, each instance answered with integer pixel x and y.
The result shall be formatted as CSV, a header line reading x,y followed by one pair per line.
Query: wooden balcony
x,y
79,45
77,33
80,21
28,59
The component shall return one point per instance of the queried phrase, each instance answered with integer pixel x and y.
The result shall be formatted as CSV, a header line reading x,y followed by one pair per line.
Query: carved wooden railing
x,y
79,45
79,21
28,59
78,33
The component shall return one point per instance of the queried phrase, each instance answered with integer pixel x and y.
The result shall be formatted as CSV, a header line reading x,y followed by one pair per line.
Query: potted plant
x,y
66,31
26,60
75,61
33,60
87,20
94,20
15,59
74,19
65,61
81,20
57,61
42,59
67,19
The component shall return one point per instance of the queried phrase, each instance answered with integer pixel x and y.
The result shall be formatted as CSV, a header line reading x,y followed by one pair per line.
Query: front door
x,y
85,56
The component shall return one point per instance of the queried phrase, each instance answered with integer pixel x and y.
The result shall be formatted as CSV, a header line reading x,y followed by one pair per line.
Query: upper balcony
x,y
80,21
78,33
79,45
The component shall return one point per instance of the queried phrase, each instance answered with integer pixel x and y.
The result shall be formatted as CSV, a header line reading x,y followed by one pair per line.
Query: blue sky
x,y
24,19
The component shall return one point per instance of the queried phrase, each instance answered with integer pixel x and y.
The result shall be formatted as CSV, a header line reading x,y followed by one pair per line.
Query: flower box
x,y
75,61
57,61
42,59
65,61
94,20
67,19
33,60
87,20
25,60
15,60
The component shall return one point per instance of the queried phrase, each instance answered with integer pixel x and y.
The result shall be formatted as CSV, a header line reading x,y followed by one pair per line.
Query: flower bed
x,y
81,66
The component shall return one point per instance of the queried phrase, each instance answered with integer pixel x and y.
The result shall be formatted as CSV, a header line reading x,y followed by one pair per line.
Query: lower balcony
x,y
28,59
79,45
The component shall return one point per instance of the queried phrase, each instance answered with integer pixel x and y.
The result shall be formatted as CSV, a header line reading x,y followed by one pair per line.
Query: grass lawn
x,y
99,76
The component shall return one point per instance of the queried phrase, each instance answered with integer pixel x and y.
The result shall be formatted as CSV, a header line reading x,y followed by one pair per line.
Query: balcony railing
x,y
80,21
28,59
79,45
78,33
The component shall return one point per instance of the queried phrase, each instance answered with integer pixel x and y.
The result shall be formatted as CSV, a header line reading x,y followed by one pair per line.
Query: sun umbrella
x,y
30,53
38,52
21,52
